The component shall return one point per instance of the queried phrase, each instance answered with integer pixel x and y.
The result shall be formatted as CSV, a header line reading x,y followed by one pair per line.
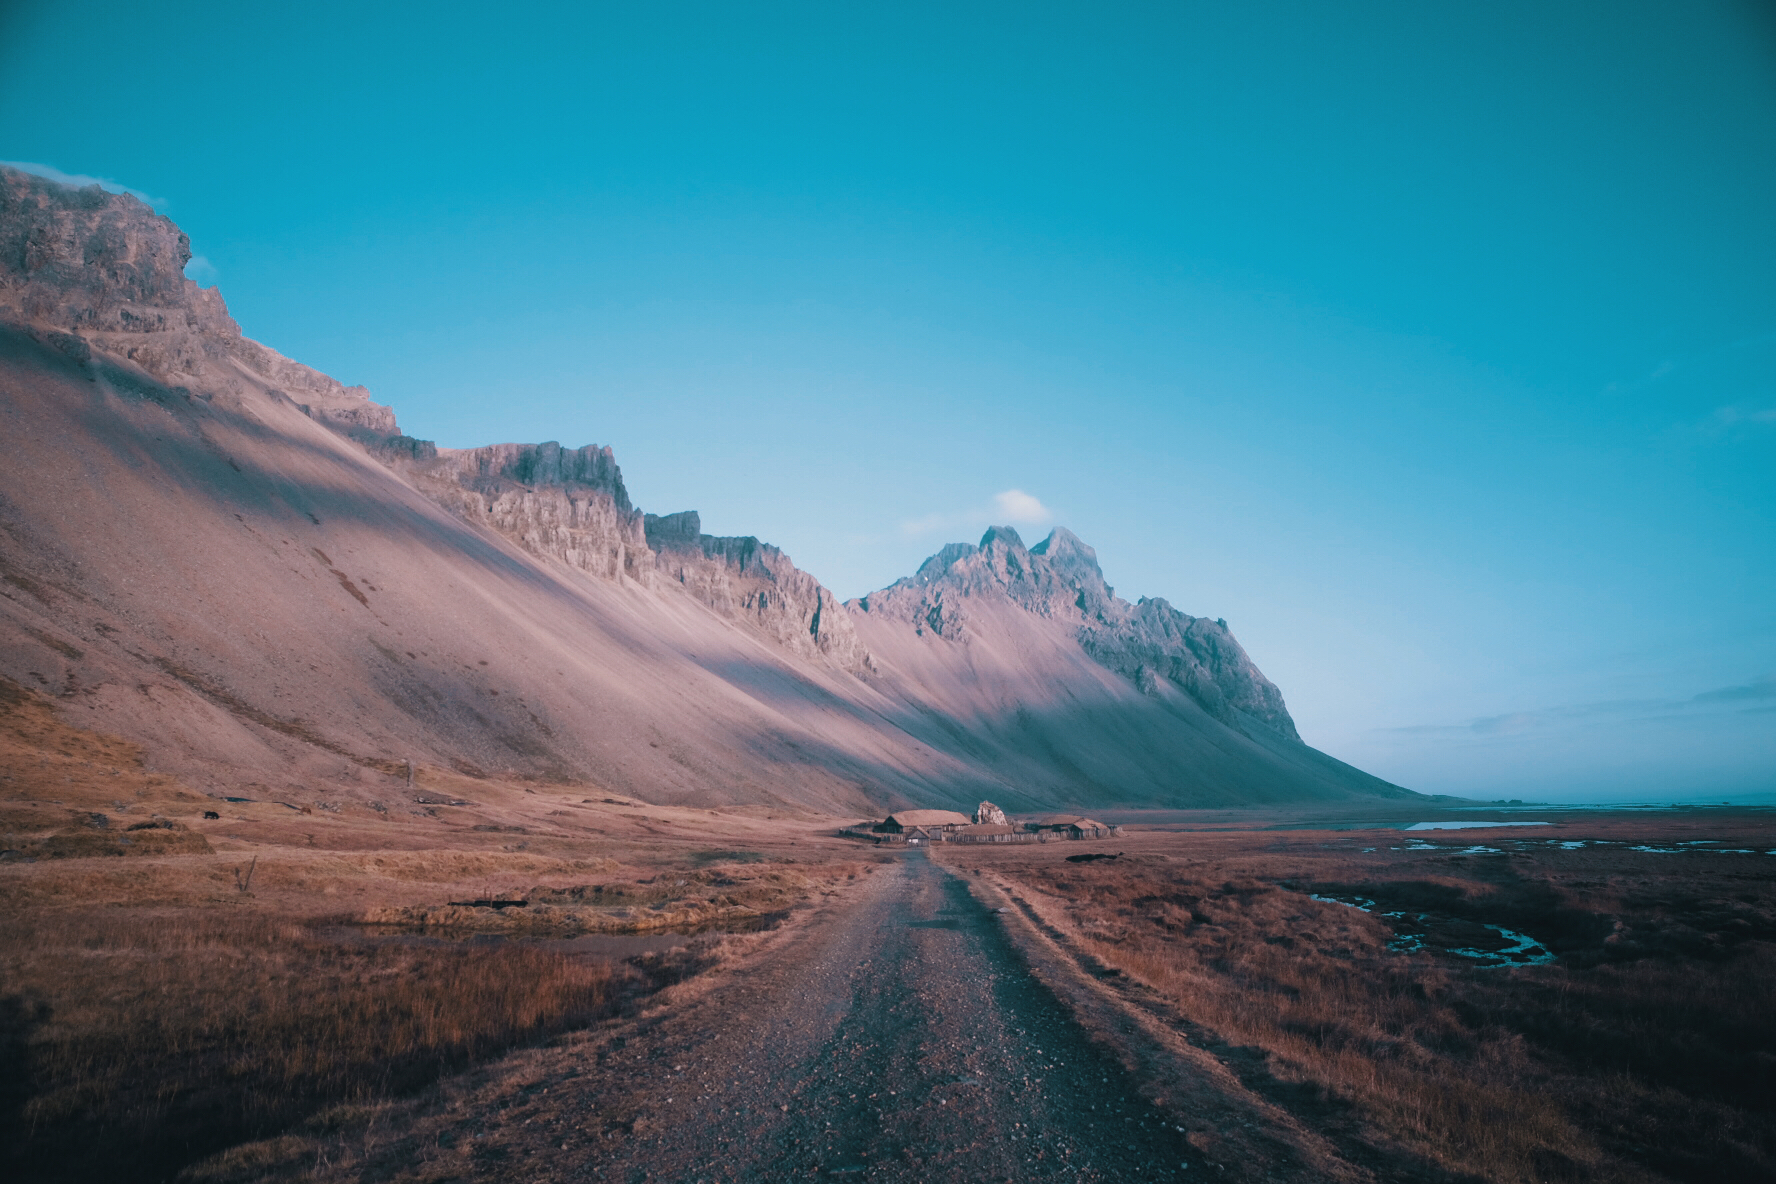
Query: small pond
x,y
1467,825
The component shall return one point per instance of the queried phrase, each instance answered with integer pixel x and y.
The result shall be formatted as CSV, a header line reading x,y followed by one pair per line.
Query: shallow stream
x,y
1414,931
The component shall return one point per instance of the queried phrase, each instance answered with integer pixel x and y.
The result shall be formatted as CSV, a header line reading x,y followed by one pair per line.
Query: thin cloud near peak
x,y
80,181
1011,507
1014,505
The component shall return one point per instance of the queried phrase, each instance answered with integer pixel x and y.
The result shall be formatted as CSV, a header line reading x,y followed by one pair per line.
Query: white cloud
x,y
1011,507
1761,688
1743,413
203,271
80,180
1014,505
1614,711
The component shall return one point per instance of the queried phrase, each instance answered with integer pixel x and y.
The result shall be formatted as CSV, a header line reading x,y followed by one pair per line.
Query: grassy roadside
x,y
1643,1052
238,972
143,1042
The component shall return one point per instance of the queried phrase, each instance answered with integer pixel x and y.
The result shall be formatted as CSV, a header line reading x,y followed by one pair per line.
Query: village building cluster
x,y
989,825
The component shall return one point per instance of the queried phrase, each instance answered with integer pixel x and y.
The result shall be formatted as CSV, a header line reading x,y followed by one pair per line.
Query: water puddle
x,y
1685,847
1468,825
1414,932
1355,902
1523,950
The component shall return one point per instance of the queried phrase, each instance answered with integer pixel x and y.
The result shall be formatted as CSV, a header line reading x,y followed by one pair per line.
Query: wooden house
x,y
926,822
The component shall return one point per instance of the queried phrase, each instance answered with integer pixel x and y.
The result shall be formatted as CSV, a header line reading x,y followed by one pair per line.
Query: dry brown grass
x,y
678,900
151,1040
1317,990
1647,1052
157,1011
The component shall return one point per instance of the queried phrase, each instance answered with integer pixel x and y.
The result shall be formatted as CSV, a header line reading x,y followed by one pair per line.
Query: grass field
x,y
1643,1049
173,985
182,974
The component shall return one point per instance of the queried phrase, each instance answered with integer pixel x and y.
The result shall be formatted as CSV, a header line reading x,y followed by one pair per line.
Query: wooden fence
x,y
1021,836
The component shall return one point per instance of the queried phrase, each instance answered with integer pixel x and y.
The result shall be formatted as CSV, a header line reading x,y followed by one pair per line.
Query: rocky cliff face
x,y
92,271
101,276
754,582
565,504
1149,642
570,505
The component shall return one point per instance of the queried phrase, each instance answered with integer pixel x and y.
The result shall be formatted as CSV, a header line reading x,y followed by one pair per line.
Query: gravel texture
x,y
900,1039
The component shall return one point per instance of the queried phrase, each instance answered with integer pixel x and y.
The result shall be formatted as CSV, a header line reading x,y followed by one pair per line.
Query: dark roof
x,y
929,818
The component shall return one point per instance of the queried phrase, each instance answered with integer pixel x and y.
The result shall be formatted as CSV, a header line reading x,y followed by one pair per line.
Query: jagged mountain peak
x,y
1070,554
1002,536
1161,650
939,565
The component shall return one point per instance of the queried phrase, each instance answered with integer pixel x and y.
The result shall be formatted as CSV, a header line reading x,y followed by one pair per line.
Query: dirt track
x,y
899,1039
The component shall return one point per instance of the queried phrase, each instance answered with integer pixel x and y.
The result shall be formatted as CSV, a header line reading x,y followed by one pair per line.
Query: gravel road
x,y
899,1039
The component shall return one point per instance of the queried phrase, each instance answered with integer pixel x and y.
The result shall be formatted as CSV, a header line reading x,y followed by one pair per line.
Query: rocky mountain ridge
x,y
95,271
570,505
745,579
244,564
1149,642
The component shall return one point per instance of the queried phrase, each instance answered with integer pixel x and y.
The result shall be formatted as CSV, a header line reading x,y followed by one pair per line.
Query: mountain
x,y
1026,661
245,566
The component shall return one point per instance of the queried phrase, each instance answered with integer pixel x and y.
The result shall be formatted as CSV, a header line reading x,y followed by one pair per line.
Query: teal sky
x,y
1432,345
